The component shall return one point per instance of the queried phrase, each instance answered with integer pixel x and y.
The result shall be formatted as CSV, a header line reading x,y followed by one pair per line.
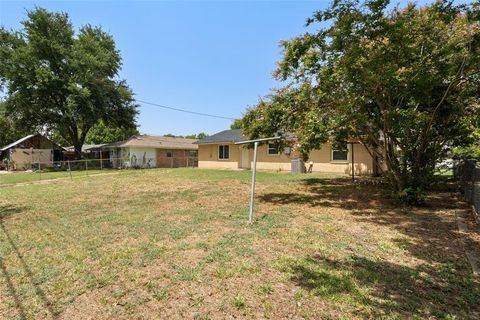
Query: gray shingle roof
x,y
230,136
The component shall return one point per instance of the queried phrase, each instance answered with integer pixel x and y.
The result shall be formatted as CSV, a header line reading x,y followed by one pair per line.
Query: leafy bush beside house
x,y
402,81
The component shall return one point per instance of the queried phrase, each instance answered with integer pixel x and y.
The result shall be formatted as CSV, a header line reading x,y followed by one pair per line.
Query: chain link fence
x,y
107,163
52,170
467,173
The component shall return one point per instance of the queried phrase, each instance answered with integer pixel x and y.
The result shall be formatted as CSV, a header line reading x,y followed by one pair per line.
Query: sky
x,y
212,57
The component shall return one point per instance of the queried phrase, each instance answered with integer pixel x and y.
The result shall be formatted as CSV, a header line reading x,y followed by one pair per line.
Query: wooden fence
x,y
467,173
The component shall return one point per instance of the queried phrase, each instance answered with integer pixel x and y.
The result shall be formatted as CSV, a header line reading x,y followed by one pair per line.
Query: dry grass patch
x,y
174,244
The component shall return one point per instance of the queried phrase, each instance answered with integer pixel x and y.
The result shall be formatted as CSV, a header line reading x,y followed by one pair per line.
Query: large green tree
x,y
102,133
63,81
9,130
405,82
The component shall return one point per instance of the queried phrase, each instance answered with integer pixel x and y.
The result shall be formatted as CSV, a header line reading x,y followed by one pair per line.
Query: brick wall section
x,y
180,159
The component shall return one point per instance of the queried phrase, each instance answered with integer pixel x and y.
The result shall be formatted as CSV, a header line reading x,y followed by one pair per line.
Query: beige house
x,y
30,152
220,151
146,151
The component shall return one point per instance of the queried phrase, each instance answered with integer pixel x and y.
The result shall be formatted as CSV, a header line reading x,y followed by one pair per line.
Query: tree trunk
x,y
78,151
77,141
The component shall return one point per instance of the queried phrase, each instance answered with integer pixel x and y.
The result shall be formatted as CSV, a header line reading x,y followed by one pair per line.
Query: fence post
x,y
171,162
69,170
86,167
101,162
40,170
476,189
187,161
476,197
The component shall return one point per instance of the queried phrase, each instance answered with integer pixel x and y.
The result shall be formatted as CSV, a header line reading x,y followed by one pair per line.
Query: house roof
x,y
231,136
159,142
85,147
13,144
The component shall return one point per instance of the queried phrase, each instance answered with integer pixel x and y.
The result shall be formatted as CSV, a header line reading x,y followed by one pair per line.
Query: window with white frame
x,y
223,152
169,153
273,149
340,152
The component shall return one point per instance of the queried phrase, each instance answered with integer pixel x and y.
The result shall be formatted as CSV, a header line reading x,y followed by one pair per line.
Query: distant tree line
x,y
197,136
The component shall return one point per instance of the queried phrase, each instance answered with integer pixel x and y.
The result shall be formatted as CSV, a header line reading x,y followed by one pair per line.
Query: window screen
x,y
273,149
223,152
340,153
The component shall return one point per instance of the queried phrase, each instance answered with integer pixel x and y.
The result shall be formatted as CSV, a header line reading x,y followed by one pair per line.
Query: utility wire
x,y
175,109
186,111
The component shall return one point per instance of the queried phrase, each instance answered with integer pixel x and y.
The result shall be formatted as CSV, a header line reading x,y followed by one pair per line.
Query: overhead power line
x,y
174,109
185,111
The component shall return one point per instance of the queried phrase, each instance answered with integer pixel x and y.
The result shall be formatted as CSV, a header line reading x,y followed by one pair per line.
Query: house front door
x,y
245,161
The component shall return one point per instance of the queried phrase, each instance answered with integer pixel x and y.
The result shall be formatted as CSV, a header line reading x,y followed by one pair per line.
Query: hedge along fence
x,y
467,173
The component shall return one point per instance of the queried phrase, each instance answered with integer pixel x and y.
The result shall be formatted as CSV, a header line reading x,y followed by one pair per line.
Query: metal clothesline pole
x,y
353,162
250,212
254,171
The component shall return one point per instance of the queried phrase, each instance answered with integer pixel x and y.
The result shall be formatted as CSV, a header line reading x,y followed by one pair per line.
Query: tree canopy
x,y
198,136
9,130
404,82
101,133
236,124
61,81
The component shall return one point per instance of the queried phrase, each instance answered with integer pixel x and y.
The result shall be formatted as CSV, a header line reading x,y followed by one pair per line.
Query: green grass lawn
x,y
174,243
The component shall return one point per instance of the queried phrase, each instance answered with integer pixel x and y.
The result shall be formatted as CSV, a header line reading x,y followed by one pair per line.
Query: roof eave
x,y
153,147
215,142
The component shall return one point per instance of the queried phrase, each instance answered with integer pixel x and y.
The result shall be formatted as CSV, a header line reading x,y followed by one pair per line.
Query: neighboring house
x,y
30,152
146,151
219,151
89,151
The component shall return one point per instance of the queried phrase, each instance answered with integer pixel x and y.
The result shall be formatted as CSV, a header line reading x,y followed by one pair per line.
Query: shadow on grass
x,y
441,283
431,227
386,288
7,211
337,192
